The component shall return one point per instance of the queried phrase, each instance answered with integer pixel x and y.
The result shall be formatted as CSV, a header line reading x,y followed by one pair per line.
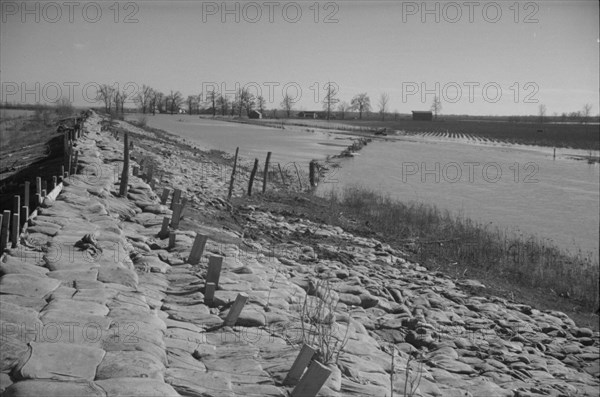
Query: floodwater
x,y
6,114
518,188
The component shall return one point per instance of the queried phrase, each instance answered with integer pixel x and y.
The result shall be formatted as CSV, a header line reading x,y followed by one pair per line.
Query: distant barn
x,y
253,114
308,115
420,115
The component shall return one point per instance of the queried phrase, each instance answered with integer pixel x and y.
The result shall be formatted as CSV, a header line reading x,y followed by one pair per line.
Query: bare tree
x,y
436,106
585,113
223,103
106,94
361,103
343,108
212,98
192,100
120,98
260,104
384,99
143,97
246,101
330,98
542,112
287,104
173,101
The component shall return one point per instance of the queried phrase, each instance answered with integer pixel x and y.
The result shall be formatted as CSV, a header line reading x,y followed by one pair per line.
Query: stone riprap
x,y
93,302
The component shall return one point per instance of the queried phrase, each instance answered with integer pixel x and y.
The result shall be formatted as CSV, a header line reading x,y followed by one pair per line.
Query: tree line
x,y
150,100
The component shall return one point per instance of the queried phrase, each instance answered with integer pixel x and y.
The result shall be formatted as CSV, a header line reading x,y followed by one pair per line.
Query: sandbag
x,y
61,361
130,364
118,275
84,307
136,387
48,388
14,346
15,265
27,285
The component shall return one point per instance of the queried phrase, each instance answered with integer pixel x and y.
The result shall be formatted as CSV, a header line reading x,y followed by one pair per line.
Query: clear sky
x,y
481,57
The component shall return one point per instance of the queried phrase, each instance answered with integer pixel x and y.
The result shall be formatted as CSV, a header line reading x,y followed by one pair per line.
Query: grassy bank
x,y
454,245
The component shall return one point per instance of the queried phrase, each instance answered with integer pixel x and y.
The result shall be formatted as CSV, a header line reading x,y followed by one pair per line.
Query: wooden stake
x,y
235,310
172,236
26,200
298,174
54,183
252,175
15,230
38,185
176,216
209,293
176,198
4,230
16,204
62,173
281,173
302,360
74,172
197,249
315,377
165,196
164,230
266,172
125,174
312,169
214,269
231,181
24,215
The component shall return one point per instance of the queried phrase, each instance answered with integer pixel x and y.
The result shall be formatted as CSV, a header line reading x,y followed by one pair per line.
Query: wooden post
x,y
235,310
252,175
315,377
165,196
24,215
164,229
176,198
70,157
172,237
214,269
176,216
312,168
4,230
16,204
74,172
298,174
43,195
197,249
38,199
15,230
209,293
300,363
54,183
38,185
125,174
62,173
281,173
266,172
231,181
150,174
26,200
44,187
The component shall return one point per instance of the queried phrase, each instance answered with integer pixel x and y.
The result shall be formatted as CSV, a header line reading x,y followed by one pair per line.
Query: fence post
x,y
125,174
312,168
300,363
231,181
252,175
266,172
281,173
197,249
235,310
15,229
315,377
165,196
4,230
